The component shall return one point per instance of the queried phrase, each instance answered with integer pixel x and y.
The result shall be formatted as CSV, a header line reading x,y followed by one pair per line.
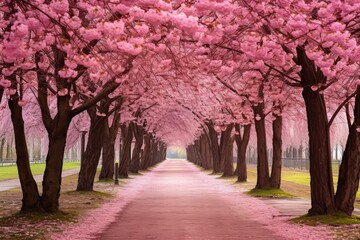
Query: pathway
x,y
180,202
14,183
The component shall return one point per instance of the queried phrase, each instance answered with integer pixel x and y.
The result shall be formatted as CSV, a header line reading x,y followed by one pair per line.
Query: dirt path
x,y
178,203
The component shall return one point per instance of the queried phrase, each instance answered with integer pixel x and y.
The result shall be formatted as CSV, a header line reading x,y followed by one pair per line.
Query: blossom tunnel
x,y
212,76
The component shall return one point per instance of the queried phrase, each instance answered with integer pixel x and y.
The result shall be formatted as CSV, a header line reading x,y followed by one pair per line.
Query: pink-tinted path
x,y
178,201
181,202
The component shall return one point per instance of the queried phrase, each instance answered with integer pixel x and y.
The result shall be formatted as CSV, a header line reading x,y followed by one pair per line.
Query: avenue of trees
x,y
205,74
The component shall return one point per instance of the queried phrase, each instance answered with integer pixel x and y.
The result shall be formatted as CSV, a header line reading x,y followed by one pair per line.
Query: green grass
x,y
89,193
301,177
10,172
269,193
336,219
106,180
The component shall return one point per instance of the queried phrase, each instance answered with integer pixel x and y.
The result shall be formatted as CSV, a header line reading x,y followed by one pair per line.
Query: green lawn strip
x,y
89,193
269,193
10,172
298,177
334,219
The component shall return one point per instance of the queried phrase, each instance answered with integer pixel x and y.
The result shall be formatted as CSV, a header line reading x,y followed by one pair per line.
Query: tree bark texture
x,y
214,147
348,183
228,158
275,180
263,179
108,154
224,147
2,144
145,160
322,189
30,193
135,160
127,136
55,156
92,152
242,143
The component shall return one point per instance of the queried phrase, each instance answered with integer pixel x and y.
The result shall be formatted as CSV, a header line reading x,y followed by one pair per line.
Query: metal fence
x,y
9,162
297,164
295,158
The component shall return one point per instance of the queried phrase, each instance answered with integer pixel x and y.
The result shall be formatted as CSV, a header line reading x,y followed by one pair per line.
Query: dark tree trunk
x,y
188,154
7,151
2,148
263,179
57,129
224,145
205,151
145,160
228,158
154,145
242,143
108,159
198,156
92,152
135,161
54,158
127,136
30,201
322,189
164,152
275,179
1,93
215,149
108,155
348,183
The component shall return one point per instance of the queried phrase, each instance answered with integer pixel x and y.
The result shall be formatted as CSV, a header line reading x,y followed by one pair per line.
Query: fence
x,y
292,163
296,158
8,162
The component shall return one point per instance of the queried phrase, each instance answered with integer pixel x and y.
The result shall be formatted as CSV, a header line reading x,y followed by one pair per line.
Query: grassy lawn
x,y
10,172
270,193
295,182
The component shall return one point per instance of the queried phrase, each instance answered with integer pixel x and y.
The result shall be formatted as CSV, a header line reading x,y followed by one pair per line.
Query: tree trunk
x,y
275,179
108,160
153,154
205,151
2,148
54,160
7,151
127,136
30,201
215,149
108,155
1,93
263,179
93,151
224,145
242,143
228,158
348,183
322,189
135,161
146,153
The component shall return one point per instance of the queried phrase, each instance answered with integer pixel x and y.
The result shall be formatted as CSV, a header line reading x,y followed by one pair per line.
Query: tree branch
x,y
109,87
340,106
